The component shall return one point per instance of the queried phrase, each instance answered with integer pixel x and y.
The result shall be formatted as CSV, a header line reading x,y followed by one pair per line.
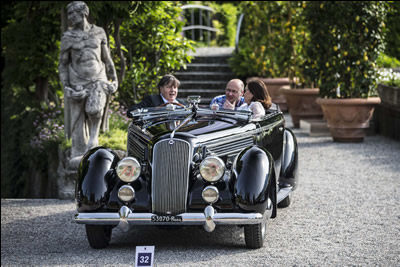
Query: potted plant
x,y
302,93
348,39
264,48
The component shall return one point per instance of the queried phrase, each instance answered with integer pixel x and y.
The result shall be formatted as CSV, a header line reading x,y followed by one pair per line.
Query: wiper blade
x,y
143,115
243,115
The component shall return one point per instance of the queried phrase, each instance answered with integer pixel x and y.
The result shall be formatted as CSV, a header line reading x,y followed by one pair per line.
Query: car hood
x,y
202,131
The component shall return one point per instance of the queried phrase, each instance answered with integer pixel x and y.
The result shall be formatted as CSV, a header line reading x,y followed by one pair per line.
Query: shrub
x,y
117,116
348,38
153,47
48,129
393,30
225,21
385,61
114,139
272,40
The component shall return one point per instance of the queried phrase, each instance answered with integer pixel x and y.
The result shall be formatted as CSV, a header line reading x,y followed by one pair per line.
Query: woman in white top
x,y
256,98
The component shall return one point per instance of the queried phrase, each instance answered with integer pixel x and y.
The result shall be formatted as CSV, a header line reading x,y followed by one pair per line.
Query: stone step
x,y
204,76
210,59
204,93
203,84
208,67
213,51
315,127
201,91
207,74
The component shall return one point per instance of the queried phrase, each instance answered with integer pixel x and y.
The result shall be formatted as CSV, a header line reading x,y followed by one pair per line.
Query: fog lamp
x,y
210,194
128,169
126,193
212,169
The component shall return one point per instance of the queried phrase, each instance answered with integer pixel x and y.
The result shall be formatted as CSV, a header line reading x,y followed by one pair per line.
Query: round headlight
x,y
126,193
210,194
212,169
128,169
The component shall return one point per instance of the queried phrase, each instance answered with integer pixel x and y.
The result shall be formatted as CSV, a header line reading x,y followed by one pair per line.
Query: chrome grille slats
x,y
170,177
136,143
229,146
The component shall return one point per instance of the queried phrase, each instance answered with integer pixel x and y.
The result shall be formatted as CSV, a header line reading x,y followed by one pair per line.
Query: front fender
x,y
254,168
289,168
95,177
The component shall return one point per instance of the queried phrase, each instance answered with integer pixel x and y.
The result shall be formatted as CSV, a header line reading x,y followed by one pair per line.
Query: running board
x,y
283,193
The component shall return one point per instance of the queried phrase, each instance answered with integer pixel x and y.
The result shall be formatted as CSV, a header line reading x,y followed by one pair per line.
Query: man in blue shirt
x,y
233,97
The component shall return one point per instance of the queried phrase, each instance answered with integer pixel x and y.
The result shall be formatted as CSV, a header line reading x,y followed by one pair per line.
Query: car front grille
x,y
170,177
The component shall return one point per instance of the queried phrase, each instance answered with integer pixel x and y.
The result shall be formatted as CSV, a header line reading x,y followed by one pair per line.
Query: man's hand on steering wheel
x,y
172,103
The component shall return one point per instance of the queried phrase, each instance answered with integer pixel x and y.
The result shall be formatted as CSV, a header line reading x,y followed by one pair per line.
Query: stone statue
x,y
88,76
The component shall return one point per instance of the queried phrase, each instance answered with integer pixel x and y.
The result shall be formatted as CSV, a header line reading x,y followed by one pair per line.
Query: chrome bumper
x,y
125,217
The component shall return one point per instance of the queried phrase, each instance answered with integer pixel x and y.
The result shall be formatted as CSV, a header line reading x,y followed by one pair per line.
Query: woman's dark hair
x,y
260,92
167,79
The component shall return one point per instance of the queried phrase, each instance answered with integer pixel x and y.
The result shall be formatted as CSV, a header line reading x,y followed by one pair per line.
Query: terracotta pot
x,y
347,118
273,86
301,104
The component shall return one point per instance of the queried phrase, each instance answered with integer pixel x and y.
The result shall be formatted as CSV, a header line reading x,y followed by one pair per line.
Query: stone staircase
x,y
207,74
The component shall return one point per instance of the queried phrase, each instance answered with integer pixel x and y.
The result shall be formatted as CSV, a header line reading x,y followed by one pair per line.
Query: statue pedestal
x,y
67,174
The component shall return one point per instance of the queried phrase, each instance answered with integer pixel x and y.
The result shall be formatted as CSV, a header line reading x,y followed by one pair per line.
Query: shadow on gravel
x,y
37,202
56,239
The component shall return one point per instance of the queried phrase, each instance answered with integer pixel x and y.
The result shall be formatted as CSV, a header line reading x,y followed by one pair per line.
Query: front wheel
x,y
254,234
99,236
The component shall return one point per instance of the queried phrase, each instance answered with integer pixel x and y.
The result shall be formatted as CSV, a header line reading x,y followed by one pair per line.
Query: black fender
x,y
95,178
255,180
290,158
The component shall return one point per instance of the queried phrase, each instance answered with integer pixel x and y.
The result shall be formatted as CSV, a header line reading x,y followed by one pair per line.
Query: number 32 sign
x,y
144,256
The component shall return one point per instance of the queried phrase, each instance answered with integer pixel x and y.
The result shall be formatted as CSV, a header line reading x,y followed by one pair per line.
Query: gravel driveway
x,y
345,212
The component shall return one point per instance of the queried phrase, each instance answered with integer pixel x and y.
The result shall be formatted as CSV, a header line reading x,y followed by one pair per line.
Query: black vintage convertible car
x,y
190,166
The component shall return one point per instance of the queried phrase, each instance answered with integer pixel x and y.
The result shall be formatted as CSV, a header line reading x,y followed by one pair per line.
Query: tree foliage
x,y
348,37
393,30
145,43
269,39
153,46
30,46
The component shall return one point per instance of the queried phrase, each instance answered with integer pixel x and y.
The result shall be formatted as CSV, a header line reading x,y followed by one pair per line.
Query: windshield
x,y
149,116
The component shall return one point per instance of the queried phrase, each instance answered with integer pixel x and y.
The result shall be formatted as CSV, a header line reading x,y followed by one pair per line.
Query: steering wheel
x,y
173,103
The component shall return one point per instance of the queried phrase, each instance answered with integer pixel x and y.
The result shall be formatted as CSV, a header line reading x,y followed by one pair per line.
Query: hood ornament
x,y
193,101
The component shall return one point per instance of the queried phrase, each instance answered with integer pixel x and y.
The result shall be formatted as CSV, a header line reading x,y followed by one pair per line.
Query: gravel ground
x,y
345,212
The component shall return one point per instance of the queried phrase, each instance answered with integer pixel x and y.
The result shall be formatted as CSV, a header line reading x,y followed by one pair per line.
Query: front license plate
x,y
166,218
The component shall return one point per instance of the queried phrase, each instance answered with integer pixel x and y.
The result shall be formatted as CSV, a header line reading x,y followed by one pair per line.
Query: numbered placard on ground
x,y
144,256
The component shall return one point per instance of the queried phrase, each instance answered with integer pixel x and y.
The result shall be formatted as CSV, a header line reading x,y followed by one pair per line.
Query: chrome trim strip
x,y
283,192
113,218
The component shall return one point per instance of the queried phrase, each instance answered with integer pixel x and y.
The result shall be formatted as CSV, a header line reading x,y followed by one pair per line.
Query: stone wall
x,y
388,112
